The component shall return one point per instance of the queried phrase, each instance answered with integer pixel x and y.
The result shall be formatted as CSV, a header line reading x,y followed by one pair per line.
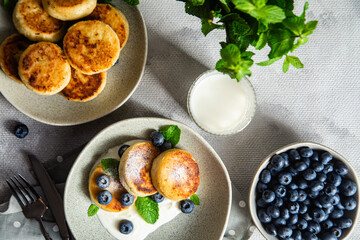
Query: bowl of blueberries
x,y
305,191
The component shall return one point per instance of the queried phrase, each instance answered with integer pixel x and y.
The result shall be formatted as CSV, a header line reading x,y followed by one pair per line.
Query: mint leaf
x,y
195,199
225,4
148,209
295,61
281,42
269,62
294,24
93,209
203,11
300,41
286,65
261,41
207,26
111,166
131,2
309,28
171,133
197,2
244,5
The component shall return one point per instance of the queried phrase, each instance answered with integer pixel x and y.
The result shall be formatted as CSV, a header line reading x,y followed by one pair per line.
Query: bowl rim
x,y
252,205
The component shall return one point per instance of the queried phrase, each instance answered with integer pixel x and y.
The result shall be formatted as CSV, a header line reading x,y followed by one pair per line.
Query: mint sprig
x,y
93,209
195,198
171,133
148,209
111,166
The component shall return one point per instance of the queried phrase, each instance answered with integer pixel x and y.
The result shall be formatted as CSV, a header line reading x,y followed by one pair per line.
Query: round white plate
x,y
207,221
122,80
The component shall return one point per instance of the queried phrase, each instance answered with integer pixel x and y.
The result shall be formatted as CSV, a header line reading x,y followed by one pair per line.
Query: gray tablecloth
x,y
319,103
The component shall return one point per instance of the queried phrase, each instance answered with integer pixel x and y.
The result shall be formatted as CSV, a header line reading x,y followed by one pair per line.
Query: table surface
x,y
319,103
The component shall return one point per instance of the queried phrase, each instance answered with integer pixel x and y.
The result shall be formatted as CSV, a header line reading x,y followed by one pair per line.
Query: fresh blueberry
x,y
307,161
103,181
309,174
316,186
336,231
157,197
278,202
293,195
268,196
294,155
187,206
286,159
157,138
166,146
330,190
343,223
314,227
292,171
340,168
294,207
263,216
265,176
317,214
329,210
302,224
126,199
306,152
313,194
349,203
302,196
336,200
293,219
104,197
348,188
326,157
327,224
277,161
307,216
307,202
300,166
285,232
280,221
315,156
122,149
280,191
285,178
328,236
273,212
296,235
261,203
261,187
302,183
303,208
321,176
317,166
317,203
21,130
309,236
337,213
271,229
274,171
340,206
328,168
334,179
327,201
293,186
284,213
125,226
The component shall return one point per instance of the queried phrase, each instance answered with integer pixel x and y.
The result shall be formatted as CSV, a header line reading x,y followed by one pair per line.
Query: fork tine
x,y
16,195
30,187
19,190
25,190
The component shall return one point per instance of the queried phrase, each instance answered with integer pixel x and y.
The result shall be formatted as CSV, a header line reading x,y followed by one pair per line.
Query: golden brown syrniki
x,y
91,46
31,20
175,174
67,10
10,52
44,69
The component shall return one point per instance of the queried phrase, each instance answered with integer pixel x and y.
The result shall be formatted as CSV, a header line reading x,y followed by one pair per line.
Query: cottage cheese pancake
x,y
69,9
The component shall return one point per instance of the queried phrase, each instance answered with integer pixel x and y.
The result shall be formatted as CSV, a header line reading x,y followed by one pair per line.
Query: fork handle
x,y
44,232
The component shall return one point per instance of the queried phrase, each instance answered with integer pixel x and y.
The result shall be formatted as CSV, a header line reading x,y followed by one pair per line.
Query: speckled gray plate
x,y
122,80
208,221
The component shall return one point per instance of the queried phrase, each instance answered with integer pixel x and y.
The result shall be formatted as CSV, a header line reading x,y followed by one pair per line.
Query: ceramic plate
x,y
122,80
208,221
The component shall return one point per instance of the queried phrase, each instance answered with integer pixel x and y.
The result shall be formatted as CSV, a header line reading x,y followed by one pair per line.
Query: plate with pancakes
x,y
192,166
73,61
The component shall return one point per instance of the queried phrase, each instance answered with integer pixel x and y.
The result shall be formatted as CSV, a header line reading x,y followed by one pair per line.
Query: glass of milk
x,y
219,104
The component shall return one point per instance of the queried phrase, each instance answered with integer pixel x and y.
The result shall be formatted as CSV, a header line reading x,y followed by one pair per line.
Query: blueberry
x,y
286,159
263,216
273,212
280,191
306,152
122,149
21,130
303,208
261,203
278,202
296,235
327,224
187,206
330,190
343,223
294,155
285,232
316,186
336,200
265,176
334,179
268,196
314,227
327,201
302,183
315,156
280,221
277,161
326,157
104,197
293,186
340,206
125,226
309,174
317,166
337,213
300,166
302,195
293,195
103,181
317,203
309,236
157,138
307,161
328,168
126,199
348,188
321,176
157,197
293,219
302,224
307,216
166,146
293,172
284,213
328,236
261,187
317,214
285,178
329,210
336,231
271,229
294,207
307,202
313,194
340,168
349,203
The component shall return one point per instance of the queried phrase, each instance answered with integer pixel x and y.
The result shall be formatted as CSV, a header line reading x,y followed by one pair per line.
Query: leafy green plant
x,y
253,23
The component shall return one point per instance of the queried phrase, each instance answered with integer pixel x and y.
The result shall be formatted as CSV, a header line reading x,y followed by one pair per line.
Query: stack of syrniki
x,y
91,46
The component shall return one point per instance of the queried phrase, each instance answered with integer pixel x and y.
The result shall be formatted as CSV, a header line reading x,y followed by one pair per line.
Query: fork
x,y
32,204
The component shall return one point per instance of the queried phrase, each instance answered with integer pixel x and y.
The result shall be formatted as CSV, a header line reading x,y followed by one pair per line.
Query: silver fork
x,y
31,203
